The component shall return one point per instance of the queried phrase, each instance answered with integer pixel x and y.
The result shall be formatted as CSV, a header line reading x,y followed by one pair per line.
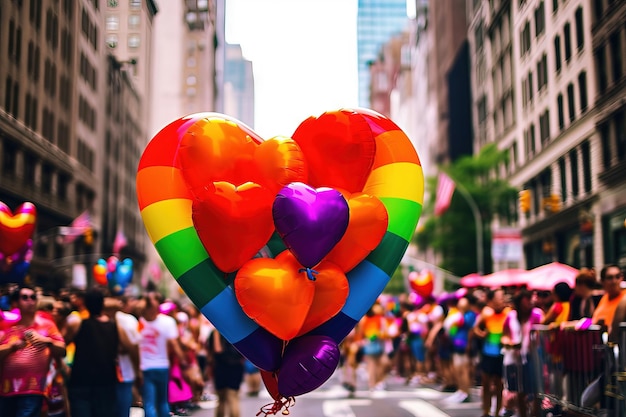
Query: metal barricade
x,y
565,362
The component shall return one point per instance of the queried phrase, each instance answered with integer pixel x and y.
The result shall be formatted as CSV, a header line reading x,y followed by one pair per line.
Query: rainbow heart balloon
x,y
232,215
16,228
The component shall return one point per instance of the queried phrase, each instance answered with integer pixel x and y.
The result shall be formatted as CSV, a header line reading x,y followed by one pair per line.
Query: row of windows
x,y
610,60
133,41
85,155
86,113
88,72
526,42
113,22
571,107
613,139
89,30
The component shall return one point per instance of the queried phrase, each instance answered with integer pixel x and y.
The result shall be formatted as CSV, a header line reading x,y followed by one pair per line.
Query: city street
x,y
331,400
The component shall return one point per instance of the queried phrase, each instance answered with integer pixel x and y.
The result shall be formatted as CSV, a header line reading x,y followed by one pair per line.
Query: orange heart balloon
x,y
214,149
279,162
275,293
366,228
331,291
233,223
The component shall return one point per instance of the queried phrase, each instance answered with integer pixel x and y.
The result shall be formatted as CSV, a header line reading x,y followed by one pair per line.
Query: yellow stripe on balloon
x,y
166,217
18,220
397,180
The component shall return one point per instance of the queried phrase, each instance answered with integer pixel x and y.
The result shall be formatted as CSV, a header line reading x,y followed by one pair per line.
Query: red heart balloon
x,y
16,229
275,293
233,223
339,147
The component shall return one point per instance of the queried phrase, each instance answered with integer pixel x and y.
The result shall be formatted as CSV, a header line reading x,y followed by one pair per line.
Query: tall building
x,y
184,69
377,22
238,86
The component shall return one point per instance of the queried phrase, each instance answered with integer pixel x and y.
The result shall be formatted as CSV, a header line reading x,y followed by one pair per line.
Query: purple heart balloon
x,y
308,362
310,221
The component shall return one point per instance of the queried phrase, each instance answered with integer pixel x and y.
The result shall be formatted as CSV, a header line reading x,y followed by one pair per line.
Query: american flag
x,y
78,227
445,190
119,242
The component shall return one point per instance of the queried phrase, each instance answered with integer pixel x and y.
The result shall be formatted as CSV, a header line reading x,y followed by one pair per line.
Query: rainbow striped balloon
x,y
16,228
165,201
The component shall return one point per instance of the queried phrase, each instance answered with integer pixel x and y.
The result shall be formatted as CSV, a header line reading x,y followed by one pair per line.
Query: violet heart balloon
x,y
310,221
308,362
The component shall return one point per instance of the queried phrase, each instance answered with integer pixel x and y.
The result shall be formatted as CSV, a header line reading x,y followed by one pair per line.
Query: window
x,y
557,53
113,22
542,73
540,19
586,156
525,39
133,41
133,21
111,40
605,139
582,89
573,157
620,135
9,156
580,29
559,104
568,42
135,4
544,127
616,54
563,175
570,102
46,178
555,6
600,60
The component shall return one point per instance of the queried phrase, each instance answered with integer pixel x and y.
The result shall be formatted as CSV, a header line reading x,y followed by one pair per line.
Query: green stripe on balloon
x,y
181,251
203,282
388,253
400,211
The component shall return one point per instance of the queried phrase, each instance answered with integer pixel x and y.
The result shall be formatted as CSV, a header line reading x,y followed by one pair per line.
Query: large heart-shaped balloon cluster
x,y
285,243
16,244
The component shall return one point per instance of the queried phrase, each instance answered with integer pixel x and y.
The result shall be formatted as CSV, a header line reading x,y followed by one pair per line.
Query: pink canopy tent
x,y
471,280
505,278
545,277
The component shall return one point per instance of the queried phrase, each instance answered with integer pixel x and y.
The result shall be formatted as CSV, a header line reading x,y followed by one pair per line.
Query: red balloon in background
x,y
339,148
422,283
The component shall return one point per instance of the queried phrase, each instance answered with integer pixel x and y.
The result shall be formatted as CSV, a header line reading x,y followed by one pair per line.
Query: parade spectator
x,y
459,325
159,334
490,326
559,311
611,279
92,384
26,351
373,335
416,330
350,360
439,342
582,302
516,341
227,375
128,356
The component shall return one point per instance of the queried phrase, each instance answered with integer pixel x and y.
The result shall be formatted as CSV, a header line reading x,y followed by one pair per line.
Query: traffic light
x,y
524,201
88,236
555,203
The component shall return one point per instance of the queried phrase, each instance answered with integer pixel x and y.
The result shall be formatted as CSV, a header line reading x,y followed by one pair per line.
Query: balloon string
x,y
310,273
276,406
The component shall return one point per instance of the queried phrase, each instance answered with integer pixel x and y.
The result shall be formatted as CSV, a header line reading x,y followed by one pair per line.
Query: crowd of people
x,y
86,353
479,337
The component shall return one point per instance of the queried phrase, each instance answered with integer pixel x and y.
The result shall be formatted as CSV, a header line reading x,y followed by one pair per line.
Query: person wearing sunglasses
x,y
26,350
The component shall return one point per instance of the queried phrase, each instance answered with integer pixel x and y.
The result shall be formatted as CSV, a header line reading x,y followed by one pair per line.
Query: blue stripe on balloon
x,y
225,313
366,281
336,328
262,348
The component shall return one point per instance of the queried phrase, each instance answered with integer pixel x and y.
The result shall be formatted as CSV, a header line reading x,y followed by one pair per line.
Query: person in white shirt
x,y
128,359
159,334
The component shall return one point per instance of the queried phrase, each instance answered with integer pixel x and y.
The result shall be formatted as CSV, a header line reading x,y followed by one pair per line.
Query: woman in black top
x,y
91,386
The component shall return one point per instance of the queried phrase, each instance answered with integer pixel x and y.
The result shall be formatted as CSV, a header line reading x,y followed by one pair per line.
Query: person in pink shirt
x,y
26,350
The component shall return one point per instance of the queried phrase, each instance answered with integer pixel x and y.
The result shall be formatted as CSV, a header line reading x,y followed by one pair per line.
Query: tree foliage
x,y
453,234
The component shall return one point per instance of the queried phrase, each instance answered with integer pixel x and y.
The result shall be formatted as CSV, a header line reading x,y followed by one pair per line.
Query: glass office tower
x,y
378,21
